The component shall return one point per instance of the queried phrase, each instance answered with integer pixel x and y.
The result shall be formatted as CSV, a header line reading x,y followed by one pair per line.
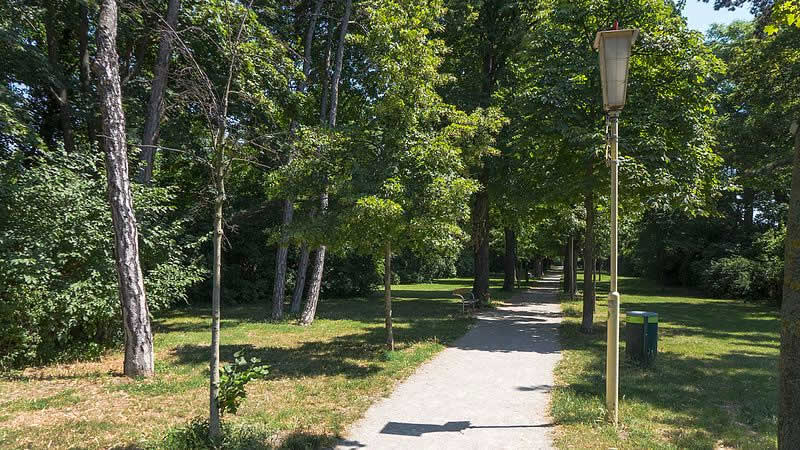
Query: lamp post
x,y
614,47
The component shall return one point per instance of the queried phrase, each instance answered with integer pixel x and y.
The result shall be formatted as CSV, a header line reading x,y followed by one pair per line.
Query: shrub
x,y
58,283
740,277
347,275
234,379
194,435
413,268
729,277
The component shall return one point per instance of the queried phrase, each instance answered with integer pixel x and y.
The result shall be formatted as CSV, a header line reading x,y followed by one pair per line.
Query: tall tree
x,y
310,308
135,314
229,86
483,36
561,88
279,288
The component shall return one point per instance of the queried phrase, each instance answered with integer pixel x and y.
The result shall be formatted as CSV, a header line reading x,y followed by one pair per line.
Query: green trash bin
x,y
641,336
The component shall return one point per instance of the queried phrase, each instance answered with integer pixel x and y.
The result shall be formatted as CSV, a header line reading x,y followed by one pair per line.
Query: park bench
x,y
467,298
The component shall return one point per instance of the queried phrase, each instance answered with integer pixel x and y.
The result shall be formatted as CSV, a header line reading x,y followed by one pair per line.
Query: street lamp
x,y
614,47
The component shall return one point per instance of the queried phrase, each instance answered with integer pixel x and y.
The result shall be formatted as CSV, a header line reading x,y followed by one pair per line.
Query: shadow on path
x,y
418,429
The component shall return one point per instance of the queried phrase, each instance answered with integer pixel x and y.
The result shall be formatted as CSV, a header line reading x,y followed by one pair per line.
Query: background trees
x,y
349,133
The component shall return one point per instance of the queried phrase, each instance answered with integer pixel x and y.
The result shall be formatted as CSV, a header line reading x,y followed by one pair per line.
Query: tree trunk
x,y
279,288
86,71
59,89
567,268
510,259
387,286
570,261
300,283
337,71
135,315
310,309
748,196
480,242
588,266
214,418
574,270
155,106
319,260
789,365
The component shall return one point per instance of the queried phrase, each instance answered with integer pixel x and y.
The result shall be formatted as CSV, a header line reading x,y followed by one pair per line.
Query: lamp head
x,y
614,48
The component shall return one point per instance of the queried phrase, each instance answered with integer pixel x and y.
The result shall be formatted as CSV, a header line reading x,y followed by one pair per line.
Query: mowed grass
x,y
322,377
713,385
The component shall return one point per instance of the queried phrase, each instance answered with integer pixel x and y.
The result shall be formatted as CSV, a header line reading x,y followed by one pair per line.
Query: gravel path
x,y
490,390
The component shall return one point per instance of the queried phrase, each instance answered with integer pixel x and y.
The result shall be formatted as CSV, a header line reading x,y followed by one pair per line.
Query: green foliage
x,y
58,283
411,267
234,378
728,277
194,436
349,274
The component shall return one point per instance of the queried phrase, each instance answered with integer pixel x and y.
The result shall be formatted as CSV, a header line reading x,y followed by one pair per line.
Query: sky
x,y
701,15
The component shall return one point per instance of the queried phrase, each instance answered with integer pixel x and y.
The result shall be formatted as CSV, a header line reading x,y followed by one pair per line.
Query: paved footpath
x,y
489,390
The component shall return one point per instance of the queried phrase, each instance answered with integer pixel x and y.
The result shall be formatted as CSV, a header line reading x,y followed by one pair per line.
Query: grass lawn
x,y
322,378
714,383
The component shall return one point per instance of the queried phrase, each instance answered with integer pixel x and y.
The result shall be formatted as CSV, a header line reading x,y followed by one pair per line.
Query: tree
x,y
135,313
483,36
407,186
229,88
279,288
764,93
310,309
667,158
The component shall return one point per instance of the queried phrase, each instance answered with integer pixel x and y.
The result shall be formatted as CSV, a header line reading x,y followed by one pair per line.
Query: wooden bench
x,y
467,298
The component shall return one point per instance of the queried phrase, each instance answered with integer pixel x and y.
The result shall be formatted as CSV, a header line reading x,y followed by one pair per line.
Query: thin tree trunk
x,y
135,315
574,270
86,71
510,259
572,277
588,267
567,267
789,364
337,71
300,284
319,259
214,419
387,285
279,288
748,196
155,106
59,89
480,242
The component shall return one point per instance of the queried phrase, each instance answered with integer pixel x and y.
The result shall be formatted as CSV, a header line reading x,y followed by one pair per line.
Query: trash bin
x,y
641,336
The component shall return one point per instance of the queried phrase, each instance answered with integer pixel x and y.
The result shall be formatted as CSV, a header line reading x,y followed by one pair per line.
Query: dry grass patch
x,y
322,378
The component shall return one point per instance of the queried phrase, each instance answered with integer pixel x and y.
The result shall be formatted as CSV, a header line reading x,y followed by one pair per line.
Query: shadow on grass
x,y
717,394
352,355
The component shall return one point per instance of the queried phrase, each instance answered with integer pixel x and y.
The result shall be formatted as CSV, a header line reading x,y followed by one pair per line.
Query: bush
x,y
740,277
348,275
729,277
58,283
194,435
413,268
